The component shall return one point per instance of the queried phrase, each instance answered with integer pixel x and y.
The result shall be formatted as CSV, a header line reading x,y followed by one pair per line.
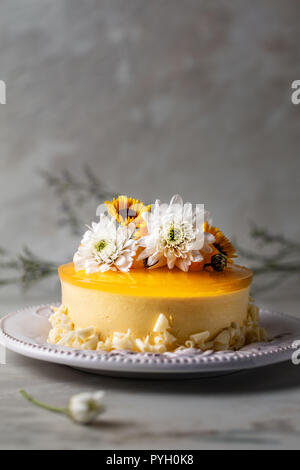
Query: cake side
x,y
206,302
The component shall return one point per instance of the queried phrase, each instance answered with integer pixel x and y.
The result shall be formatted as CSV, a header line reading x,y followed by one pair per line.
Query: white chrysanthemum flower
x,y
175,235
85,407
106,246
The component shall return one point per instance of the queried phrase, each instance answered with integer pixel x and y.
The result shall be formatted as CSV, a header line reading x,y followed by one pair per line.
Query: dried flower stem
x,y
41,404
73,193
28,266
284,262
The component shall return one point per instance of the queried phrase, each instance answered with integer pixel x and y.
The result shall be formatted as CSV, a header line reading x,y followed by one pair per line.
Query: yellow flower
x,y
127,209
222,243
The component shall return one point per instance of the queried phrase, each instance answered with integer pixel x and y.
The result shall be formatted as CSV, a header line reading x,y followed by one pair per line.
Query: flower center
x,y
173,235
105,250
92,405
124,213
220,248
101,245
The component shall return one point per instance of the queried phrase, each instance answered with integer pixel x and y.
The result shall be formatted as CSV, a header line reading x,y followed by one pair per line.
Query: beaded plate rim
x,y
187,361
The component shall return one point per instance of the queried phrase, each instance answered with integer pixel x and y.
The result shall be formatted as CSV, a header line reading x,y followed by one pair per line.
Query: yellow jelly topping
x,y
161,282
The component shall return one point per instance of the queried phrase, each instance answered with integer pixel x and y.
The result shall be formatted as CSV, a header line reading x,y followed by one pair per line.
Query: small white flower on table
x,y
83,408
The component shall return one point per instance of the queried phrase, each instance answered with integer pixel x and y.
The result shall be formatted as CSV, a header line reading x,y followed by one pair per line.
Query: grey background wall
x,y
157,97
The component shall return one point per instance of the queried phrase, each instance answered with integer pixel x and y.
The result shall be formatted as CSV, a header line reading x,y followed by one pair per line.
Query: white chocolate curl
x,y
159,340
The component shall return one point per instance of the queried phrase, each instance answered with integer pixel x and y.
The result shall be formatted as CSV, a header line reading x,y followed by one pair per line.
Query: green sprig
x,y
283,262
25,268
73,193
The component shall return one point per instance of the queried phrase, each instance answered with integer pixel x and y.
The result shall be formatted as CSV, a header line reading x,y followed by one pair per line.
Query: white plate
x,y
25,332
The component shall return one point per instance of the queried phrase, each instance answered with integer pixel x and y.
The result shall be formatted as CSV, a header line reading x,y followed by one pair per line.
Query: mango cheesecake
x,y
154,278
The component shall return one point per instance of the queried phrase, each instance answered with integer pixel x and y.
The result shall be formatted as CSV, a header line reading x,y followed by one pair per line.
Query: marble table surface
x,y
254,410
